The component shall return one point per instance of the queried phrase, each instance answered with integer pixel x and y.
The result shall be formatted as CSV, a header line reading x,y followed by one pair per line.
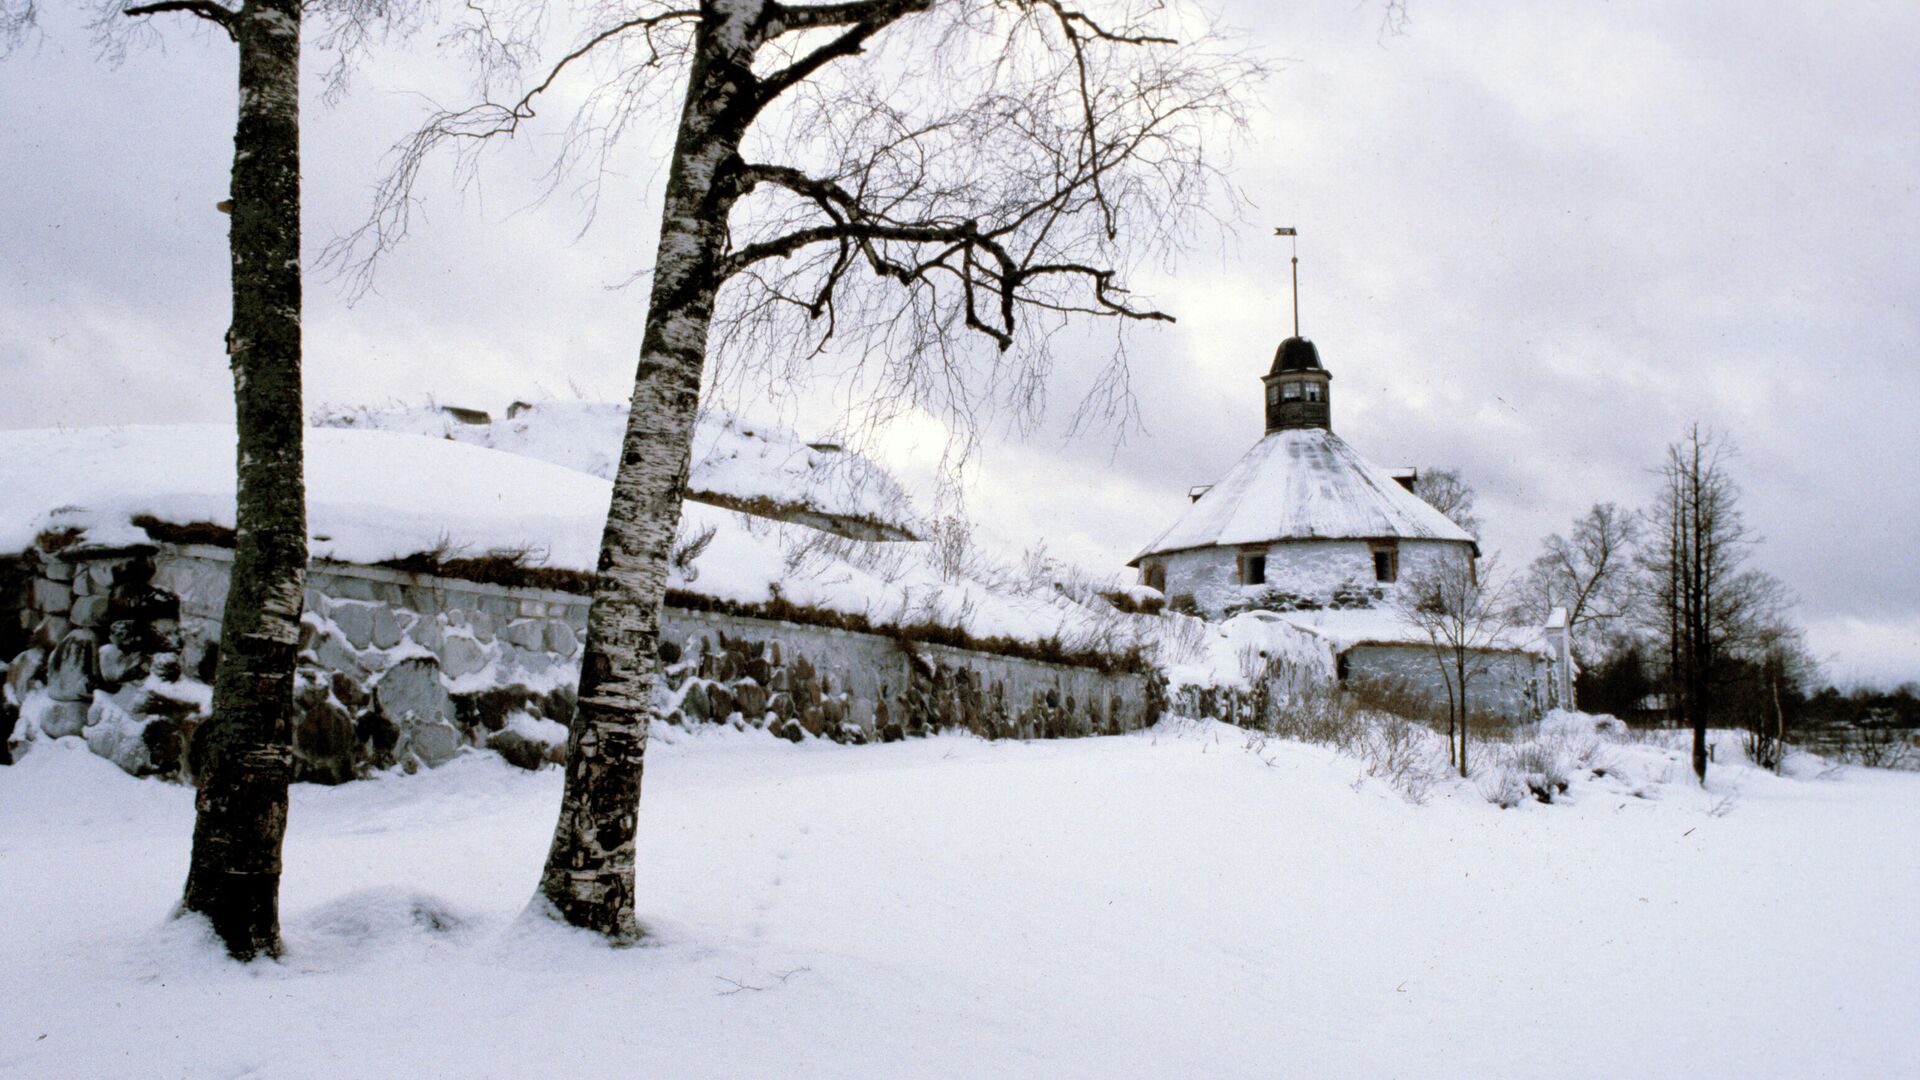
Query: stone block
x,y
427,601
52,597
499,608
429,633
533,609
118,665
345,587
331,652
386,628
751,699
430,744
103,574
561,639
518,749
481,623
90,610
412,690
119,738
528,666
323,743
63,718
462,655
74,668
166,740
694,704
25,670
355,620
56,568
526,634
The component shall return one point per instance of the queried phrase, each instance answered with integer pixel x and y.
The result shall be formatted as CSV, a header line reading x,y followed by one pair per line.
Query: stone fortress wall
x,y
410,670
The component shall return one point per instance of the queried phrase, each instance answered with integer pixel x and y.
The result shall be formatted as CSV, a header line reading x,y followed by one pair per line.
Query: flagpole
x,y
1293,236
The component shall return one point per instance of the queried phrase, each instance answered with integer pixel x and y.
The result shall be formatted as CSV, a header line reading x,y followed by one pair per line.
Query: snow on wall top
x,y
1299,484
378,495
760,468
371,495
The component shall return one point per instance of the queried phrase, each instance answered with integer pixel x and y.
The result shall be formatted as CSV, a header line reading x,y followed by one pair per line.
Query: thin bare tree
x,y
1447,492
1463,609
929,187
1706,603
1589,572
243,751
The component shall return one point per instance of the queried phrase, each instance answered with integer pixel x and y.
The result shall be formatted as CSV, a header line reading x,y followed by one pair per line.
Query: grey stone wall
x,y
407,670
1509,686
799,680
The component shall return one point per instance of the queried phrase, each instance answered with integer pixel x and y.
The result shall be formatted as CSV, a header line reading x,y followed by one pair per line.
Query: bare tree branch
x,y
205,9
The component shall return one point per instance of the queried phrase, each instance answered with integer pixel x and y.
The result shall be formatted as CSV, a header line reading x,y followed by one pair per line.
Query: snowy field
x,y
1167,904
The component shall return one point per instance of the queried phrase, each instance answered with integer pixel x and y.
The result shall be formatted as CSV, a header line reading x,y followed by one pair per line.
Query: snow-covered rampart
x,y
406,670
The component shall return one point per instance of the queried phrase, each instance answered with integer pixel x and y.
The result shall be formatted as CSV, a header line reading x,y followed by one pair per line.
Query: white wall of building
x,y
1313,570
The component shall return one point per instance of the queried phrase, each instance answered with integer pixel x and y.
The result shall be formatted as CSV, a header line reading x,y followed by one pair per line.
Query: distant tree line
x,y
1671,625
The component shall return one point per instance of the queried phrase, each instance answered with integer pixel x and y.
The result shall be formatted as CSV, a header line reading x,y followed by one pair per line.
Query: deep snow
x,y
1170,903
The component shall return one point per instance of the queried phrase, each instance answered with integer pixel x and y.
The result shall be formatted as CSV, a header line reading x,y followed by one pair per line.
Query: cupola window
x,y
1313,391
1291,391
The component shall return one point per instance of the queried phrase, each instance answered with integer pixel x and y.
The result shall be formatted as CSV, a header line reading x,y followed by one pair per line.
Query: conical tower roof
x,y
1304,484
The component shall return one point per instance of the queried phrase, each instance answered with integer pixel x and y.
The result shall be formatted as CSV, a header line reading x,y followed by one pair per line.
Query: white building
x,y
1301,522
1303,525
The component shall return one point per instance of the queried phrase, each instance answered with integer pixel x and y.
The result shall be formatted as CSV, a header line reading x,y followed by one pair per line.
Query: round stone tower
x,y
1297,388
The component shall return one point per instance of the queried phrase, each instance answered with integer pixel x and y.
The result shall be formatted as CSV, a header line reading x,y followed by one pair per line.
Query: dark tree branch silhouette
x,y
891,180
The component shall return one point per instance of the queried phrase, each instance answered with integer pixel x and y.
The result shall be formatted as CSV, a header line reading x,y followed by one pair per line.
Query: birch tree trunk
x,y
244,749
589,875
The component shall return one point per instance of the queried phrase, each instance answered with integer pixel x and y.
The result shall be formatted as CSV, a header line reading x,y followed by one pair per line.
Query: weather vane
x,y
1293,235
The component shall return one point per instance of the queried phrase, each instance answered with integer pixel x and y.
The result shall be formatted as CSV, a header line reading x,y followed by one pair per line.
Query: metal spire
x,y
1293,236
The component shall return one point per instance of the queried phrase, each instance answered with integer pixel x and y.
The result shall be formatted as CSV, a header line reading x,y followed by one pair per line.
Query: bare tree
x,y
243,751
1772,669
1445,491
889,179
1590,573
1706,603
1463,609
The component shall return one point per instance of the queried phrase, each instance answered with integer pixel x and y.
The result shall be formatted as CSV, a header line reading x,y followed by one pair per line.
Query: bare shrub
x,y
1541,764
1502,786
1400,752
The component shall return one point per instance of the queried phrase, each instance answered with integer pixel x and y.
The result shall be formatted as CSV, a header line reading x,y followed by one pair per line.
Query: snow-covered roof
x,y
737,463
1301,484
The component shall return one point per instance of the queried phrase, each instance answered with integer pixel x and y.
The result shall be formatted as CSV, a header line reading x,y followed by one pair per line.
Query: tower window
x,y
1313,391
1253,569
1273,393
1291,391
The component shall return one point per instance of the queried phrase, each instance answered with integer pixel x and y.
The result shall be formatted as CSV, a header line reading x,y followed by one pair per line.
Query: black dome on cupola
x,y
1295,354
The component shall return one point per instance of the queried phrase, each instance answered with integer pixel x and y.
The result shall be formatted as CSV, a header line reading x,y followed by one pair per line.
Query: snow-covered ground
x,y
1174,903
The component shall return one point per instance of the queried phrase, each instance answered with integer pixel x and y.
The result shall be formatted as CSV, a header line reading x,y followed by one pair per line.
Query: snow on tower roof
x,y
1302,484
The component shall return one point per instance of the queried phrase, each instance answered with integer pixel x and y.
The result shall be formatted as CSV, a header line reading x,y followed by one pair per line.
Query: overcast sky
x,y
1537,240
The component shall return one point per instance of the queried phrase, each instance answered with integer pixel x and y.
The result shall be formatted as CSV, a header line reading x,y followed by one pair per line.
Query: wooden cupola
x,y
1297,388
